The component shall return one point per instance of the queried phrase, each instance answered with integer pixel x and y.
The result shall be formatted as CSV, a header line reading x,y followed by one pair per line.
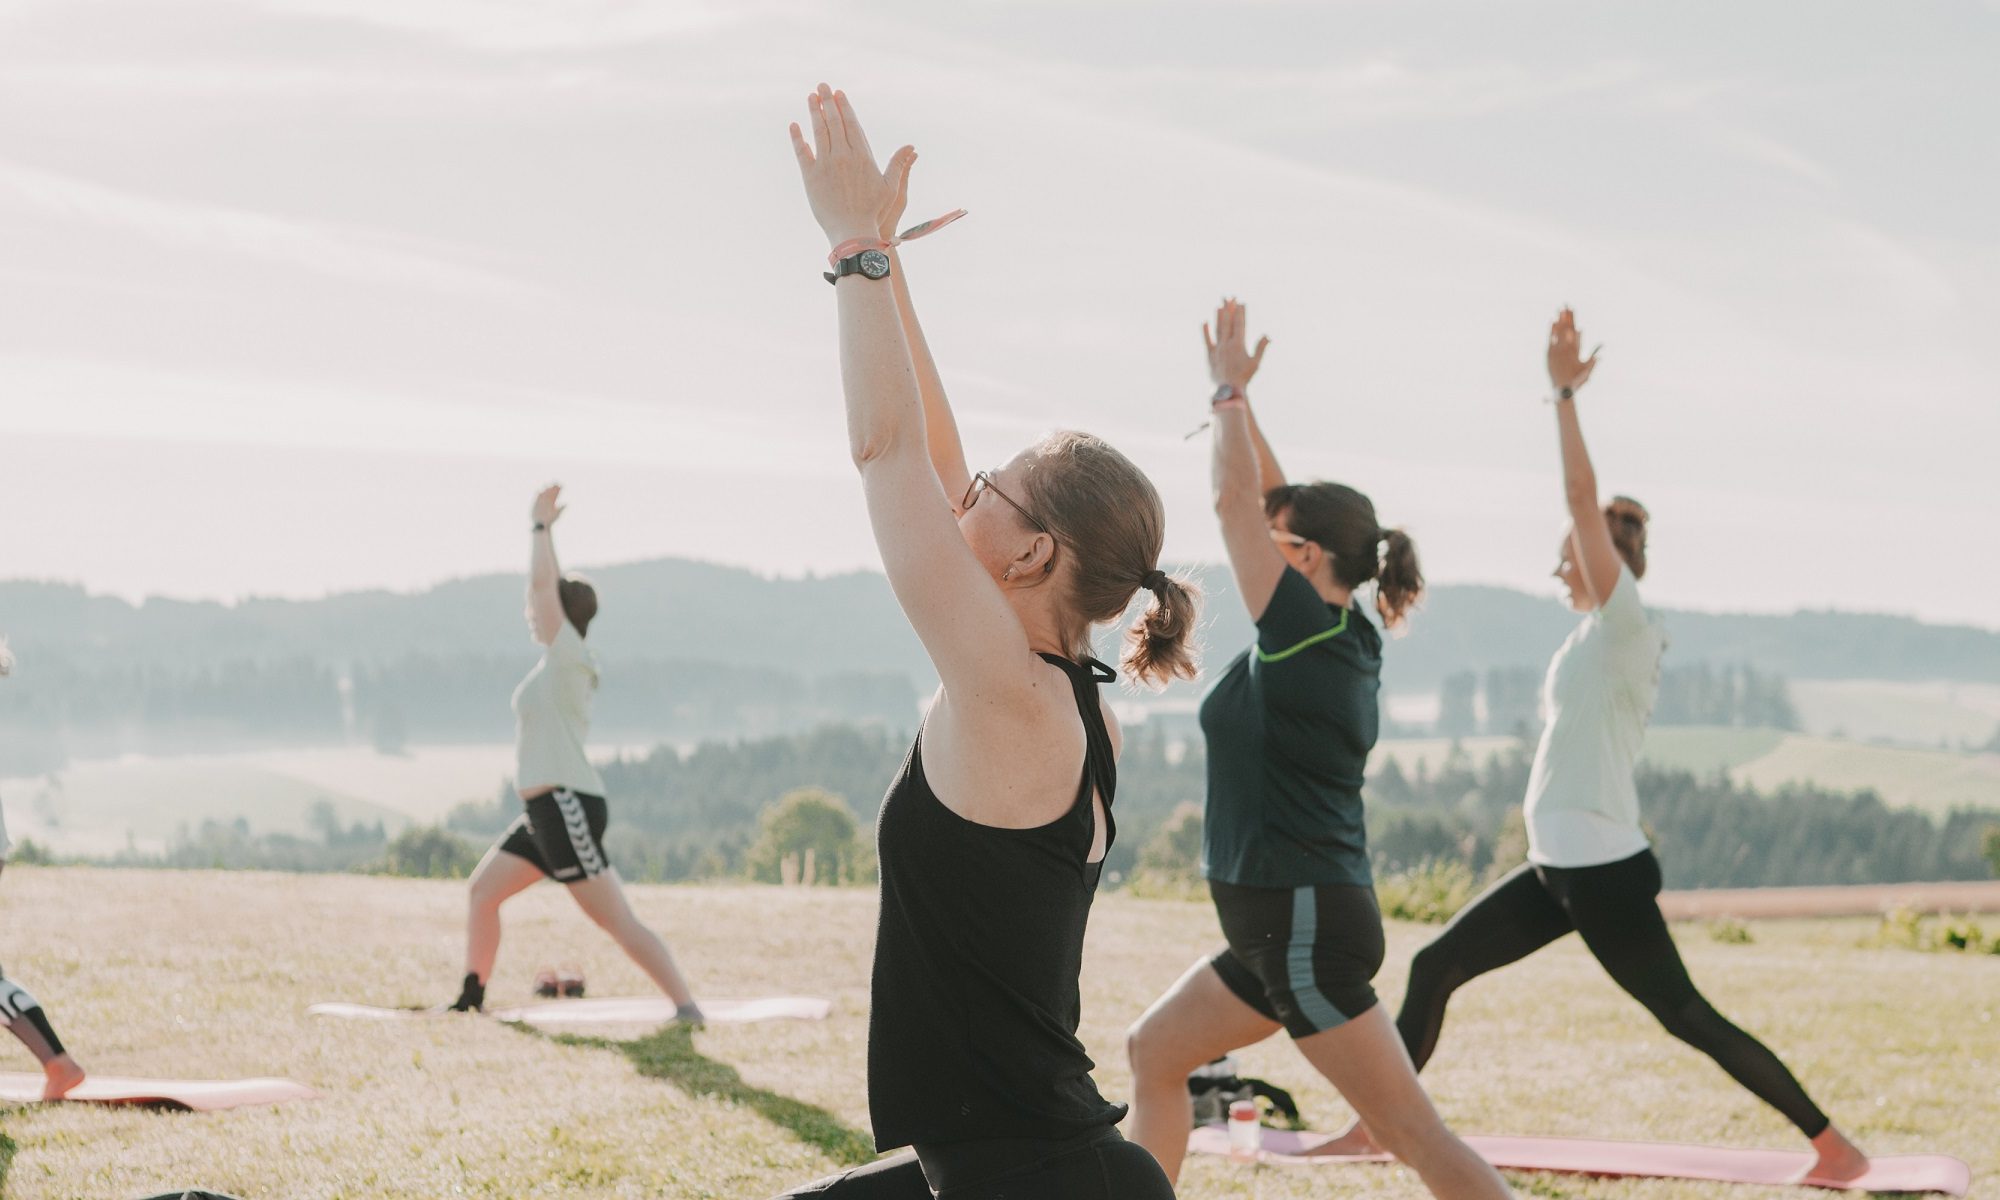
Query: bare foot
x,y
1839,1161
62,1074
1355,1141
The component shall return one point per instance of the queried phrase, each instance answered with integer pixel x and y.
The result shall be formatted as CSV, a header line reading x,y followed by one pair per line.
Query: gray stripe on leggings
x,y
1299,963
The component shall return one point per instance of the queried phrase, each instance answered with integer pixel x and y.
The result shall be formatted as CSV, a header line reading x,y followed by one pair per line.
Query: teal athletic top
x,y
1289,728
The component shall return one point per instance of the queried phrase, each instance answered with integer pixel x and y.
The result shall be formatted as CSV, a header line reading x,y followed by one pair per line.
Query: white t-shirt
x,y
552,718
1583,808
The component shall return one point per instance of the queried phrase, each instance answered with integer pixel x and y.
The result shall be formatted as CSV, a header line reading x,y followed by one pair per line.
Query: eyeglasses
x,y
982,482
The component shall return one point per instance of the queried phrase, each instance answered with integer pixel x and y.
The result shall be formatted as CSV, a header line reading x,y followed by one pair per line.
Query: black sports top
x,y
972,1022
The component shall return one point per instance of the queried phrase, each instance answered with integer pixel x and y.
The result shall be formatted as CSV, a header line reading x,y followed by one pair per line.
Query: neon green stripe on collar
x,y
1308,644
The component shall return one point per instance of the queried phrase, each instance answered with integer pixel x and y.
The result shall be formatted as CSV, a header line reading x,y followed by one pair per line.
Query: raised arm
x,y
545,612
973,638
940,427
1269,474
1236,466
1597,556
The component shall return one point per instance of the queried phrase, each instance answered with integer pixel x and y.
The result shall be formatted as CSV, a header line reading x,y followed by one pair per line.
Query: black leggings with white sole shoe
x,y
1615,908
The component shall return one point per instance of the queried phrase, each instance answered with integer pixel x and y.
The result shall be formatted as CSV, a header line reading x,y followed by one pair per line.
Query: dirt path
x,y
1858,901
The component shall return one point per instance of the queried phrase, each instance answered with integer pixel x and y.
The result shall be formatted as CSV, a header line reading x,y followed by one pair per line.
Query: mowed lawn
x,y
208,974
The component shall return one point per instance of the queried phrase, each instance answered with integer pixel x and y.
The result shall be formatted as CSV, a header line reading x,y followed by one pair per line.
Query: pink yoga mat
x,y
201,1095
640,1010
1659,1160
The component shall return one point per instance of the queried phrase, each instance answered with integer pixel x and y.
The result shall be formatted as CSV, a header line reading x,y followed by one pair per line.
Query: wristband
x,y
539,527
1228,396
854,246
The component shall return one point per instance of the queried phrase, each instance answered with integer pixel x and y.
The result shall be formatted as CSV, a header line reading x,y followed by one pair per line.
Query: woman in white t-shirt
x,y
1590,867
20,1013
560,832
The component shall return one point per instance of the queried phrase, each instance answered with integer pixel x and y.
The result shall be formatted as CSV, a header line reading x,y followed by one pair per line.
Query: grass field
x,y
1917,713
101,808
1935,781
208,974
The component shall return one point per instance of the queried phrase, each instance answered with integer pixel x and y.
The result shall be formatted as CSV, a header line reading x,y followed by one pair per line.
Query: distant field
x,y
1408,753
208,974
1935,781
1922,714
99,808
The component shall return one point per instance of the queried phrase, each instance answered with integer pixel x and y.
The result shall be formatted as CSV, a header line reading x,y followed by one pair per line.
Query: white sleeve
x,y
1623,613
571,662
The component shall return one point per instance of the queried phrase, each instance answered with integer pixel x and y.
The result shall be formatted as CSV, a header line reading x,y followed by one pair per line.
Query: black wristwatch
x,y
869,264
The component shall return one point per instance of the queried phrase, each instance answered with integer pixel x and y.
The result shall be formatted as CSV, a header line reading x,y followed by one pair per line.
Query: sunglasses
x,y
1284,538
982,482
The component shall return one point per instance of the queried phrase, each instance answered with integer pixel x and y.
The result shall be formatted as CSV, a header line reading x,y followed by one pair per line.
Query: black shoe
x,y
471,996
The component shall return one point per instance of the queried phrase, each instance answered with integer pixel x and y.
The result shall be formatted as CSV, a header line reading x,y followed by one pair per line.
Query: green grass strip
x,y
670,1055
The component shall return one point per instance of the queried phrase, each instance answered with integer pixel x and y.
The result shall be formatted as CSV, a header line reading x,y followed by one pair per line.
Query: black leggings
x,y
1615,907
1098,1166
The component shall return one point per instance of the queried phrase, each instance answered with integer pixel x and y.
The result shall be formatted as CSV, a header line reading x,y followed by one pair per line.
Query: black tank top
x,y
972,1022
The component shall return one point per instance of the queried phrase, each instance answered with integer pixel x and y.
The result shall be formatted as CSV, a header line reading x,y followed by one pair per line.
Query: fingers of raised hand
x,y
1258,357
851,126
1207,340
899,173
822,132
799,147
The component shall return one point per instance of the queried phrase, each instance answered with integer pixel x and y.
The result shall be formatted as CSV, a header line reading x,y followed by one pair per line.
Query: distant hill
x,y
675,609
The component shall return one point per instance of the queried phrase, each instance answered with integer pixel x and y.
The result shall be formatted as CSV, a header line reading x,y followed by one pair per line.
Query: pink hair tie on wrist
x,y
854,246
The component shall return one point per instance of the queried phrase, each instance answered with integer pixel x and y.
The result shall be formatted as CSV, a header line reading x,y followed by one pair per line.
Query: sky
x,y
310,296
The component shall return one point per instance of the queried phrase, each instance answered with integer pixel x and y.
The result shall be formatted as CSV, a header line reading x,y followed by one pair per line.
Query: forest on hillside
x,y
701,814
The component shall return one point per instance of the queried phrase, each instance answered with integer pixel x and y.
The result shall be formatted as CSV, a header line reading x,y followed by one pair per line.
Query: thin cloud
x,y
321,248
514,26
1768,151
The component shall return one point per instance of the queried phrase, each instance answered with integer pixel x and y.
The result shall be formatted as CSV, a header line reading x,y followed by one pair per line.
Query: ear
x,y
1037,561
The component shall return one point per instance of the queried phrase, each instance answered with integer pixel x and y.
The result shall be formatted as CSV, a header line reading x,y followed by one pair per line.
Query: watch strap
x,y
851,265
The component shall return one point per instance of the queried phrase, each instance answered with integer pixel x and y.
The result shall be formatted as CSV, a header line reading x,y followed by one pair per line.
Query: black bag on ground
x,y
1215,1087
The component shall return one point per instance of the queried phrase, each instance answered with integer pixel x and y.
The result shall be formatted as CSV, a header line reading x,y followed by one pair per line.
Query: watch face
x,y
874,264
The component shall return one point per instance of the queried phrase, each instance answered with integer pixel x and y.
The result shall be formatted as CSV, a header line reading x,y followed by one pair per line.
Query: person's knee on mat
x,y
1410,1137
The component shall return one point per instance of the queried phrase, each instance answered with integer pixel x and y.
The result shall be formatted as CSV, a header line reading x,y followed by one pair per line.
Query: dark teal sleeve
x,y
1294,620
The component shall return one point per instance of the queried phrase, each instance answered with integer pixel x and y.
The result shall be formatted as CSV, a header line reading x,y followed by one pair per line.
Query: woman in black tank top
x,y
992,836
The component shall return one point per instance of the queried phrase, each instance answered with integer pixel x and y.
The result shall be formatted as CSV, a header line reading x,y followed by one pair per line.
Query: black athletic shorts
x,y
562,833
1304,957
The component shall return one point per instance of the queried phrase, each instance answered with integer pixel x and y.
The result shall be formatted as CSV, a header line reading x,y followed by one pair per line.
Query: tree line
x,y
57,711
1507,700
741,809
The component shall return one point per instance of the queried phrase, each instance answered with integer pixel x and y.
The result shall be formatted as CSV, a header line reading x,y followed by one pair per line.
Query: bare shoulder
x,y
1111,725
1008,762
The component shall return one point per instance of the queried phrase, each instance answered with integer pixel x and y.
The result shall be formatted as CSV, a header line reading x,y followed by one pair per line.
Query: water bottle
x,y
1246,1133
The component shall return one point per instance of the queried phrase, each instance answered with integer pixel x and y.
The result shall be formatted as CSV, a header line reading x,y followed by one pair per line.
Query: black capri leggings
x,y
1615,907
1100,1165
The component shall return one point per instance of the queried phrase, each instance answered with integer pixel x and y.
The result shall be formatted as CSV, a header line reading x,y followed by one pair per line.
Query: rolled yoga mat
x,y
1655,1160
611,1010
200,1095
